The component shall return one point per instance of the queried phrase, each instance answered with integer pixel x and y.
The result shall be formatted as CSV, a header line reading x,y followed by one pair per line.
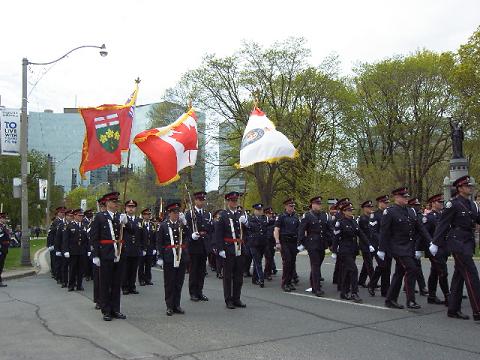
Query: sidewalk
x,y
40,265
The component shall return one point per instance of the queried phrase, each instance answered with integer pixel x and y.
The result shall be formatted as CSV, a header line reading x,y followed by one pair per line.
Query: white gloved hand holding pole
x,y
433,249
195,236
154,252
123,218
243,219
381,255
334,256
67,255
222,254
418,255
371,248
300,248
182,218
96,261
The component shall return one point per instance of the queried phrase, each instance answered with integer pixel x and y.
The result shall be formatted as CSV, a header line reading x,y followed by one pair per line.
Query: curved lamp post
x,y
24,148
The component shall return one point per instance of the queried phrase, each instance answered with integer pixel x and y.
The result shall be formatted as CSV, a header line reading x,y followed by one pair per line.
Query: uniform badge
x,y
424,219
448,205
385,212
372,216
337,224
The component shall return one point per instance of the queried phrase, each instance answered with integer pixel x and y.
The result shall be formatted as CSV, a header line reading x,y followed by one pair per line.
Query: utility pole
x,y
49,187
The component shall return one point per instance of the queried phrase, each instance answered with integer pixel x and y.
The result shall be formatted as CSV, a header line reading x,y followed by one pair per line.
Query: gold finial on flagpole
x,y
137,80
189,104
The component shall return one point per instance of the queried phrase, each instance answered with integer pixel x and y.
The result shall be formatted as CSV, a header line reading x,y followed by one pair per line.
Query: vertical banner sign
x,y
42,189
10,132
83,204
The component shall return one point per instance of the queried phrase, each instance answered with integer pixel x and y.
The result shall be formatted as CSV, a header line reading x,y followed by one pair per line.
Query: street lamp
x,y
24,148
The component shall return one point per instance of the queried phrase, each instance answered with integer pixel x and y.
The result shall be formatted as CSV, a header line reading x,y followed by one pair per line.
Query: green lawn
x,y
13,258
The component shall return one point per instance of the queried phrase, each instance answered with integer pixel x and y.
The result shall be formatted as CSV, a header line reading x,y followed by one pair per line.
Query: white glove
x,y
334,256
96,261
67,255
123,218
144,253
181,217
89,253
418,254
300,248
195,236
58,253
381,255
222,254
50,248
433,249
371,248
243,219
160,262
154,252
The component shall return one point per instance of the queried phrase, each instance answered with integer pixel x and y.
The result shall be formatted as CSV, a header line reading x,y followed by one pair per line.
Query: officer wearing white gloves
x,y
132,248
149,234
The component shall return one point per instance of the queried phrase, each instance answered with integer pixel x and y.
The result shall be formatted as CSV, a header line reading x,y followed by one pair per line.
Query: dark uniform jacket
x,y
429,222
164,242
399,226
288,225
455,229
347,231
52,231
133,236
315,231
375,222
364,224
4,239
257,231
75,239
223,231
270,229
204,226
58,243
149,236
100,230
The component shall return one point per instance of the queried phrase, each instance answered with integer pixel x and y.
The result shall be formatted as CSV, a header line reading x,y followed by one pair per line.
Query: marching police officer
x,y
345,246
270,267
75,247
438,263
107,247
337,272
51,236
315,234
201,227
87,263
218,259
257,242
172,245
63,260
149,233
397,238
286,233
367,251
4,244
415,204
455,232
133,247
384,266
229,235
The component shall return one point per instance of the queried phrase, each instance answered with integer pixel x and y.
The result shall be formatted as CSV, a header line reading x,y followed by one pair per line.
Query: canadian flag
x,y
171,148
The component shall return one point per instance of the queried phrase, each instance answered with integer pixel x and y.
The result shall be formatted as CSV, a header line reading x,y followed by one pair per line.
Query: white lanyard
x,y
176,259
112,233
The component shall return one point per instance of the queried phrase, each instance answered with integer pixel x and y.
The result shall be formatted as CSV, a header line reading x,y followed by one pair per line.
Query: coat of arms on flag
x,y
171,148
261,142
108,130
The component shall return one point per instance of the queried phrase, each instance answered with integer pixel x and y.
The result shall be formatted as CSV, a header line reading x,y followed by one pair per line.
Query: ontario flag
x,y
261,142
108,129
171,148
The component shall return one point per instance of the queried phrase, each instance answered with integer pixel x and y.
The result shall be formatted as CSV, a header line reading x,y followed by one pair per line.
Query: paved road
x,y
39,320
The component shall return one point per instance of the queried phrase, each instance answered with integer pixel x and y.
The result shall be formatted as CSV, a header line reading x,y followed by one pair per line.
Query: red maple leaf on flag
x,y
187,136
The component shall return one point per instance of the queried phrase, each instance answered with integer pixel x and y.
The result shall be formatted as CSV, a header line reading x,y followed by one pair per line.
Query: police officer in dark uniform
x,y
172,245
4,244
286,235
105,236
438,263
51,235
315,234
415,204
87,263
133,247
384,266
345,246
218,259
367,251
257,242
96,269
200,226
75,248
270,267
149,233
337,272
63,260
397,237
455,233
229,235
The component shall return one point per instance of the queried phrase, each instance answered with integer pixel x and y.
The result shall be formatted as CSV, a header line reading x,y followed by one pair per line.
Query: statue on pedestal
x,y
457,139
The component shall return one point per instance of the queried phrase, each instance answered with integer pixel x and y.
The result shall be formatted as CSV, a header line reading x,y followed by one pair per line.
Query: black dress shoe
x,y
458,315
435,300
179,310
262,284
70,289
148,283
274,272
413,305
230,305
134,291
97,307
194,298
393,304
142,283
296,281
125,292
476,316
292,288
371,290
169,312
203,298
356,299
345,296
423,292
286,288
3,285
118,315
64,286
322,279
239,304
319,293
107,317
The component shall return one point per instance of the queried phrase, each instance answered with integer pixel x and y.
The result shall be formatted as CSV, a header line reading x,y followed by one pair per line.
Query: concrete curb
x,y
21,273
